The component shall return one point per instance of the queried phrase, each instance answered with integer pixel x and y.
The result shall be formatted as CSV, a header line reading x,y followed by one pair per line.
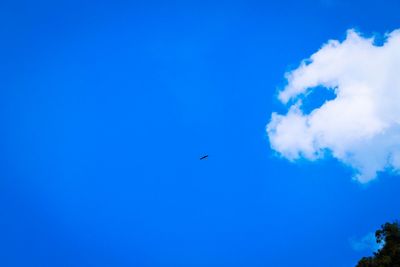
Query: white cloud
x,y
367,242
361,125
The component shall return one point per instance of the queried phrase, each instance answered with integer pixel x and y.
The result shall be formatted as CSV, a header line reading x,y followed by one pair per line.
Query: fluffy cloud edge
x,y
361,125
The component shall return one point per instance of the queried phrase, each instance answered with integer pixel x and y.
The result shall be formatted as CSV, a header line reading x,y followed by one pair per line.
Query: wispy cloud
x,y
365,243
361,125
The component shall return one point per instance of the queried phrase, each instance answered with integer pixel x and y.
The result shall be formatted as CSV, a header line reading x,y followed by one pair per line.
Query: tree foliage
x,y
389,254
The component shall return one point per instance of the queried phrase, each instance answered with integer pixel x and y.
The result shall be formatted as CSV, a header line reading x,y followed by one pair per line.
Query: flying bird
x,y
204,157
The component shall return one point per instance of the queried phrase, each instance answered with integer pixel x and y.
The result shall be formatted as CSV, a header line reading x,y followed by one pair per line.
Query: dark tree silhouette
x,y
389,254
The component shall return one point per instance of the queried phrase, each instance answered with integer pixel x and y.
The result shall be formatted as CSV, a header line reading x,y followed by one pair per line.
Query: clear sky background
x,y
106,107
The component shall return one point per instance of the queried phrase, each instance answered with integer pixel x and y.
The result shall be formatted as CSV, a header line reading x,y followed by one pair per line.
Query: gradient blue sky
x,y
105,108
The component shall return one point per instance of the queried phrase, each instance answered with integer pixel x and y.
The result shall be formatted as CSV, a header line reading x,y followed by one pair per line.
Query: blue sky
x,y
105,108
